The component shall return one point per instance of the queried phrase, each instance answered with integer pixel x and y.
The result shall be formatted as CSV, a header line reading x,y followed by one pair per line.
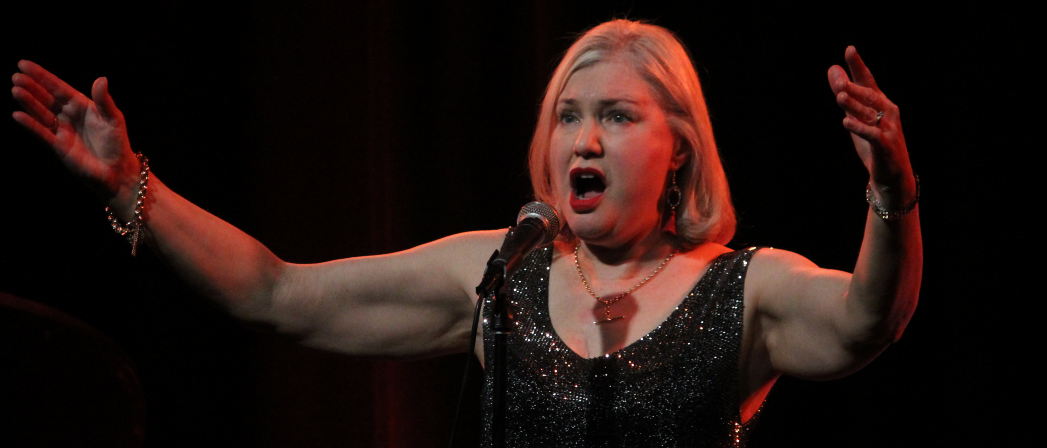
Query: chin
x,y
591,228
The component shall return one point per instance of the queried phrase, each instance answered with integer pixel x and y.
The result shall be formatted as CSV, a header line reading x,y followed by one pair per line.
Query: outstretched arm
x,y
413,303
818,323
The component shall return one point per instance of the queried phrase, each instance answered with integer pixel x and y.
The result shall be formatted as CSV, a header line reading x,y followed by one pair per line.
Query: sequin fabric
x,y
675,387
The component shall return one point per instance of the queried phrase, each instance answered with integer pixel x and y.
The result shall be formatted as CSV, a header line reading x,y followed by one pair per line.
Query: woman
x,y
637,325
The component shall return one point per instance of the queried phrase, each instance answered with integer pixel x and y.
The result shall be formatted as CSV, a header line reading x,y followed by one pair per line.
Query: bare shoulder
x,y
770,268
769,257
464,254
782,283
466,244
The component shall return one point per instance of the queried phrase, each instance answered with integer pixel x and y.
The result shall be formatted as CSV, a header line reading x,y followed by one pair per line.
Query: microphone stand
x,y
521,238
494,280
501,327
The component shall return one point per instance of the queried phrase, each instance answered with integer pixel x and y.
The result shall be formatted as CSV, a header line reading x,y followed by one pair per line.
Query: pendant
x,y
134,241
607,312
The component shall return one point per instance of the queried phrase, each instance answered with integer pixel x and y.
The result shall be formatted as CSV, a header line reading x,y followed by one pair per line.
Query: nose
x,y
587,143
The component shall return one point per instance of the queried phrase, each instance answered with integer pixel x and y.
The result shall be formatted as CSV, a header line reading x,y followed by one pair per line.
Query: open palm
x,y
88,134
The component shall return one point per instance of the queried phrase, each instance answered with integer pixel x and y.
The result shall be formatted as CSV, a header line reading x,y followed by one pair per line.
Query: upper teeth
x,y
587,176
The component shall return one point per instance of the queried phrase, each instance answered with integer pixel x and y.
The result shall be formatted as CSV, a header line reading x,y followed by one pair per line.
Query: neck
x,y
627,260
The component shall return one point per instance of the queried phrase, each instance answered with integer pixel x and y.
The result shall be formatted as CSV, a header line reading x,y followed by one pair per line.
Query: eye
x,y
619,117
568,117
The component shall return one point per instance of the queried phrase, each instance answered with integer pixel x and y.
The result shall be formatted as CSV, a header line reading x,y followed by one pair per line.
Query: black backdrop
x,y
338,129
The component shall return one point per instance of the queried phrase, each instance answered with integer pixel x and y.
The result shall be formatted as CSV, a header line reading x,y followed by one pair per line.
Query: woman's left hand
x,y
878,138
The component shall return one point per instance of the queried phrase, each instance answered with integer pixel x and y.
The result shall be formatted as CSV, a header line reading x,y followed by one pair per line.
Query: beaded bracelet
x,y
133,229
890,215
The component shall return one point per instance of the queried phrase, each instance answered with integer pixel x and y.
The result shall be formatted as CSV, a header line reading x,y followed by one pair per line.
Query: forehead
x,y
607,80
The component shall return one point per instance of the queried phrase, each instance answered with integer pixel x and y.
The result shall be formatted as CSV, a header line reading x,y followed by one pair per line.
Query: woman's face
x,y
612,150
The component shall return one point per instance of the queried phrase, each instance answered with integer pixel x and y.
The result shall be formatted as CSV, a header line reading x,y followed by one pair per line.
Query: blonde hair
x,y
705,212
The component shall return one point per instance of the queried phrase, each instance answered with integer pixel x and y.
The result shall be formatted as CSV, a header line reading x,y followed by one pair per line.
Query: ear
x,y
681,154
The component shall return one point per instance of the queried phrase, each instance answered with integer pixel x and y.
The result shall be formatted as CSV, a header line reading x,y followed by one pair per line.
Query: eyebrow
x,y
602,103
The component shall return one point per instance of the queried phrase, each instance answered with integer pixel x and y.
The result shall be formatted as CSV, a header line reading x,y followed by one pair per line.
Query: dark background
x,y
338,129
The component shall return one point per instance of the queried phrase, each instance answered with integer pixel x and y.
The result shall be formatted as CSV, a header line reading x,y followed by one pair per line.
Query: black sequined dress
x,y
675,387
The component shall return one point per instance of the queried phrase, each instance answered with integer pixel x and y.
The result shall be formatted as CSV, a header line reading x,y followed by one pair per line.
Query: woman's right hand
x,y
90,137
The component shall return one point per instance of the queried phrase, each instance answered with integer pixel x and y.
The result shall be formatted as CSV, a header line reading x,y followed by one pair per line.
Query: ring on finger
x,y
879,116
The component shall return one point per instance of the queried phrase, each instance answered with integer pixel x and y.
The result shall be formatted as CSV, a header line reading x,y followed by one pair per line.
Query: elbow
x,y
870,342
871,336
259,299
900,321
868,345
880,319
900,314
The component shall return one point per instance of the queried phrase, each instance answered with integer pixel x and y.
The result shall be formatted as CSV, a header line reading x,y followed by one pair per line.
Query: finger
x,y
103,101
33,106
867,96
33,88
856,109
859,71
55,86
865,131
35,127
838,79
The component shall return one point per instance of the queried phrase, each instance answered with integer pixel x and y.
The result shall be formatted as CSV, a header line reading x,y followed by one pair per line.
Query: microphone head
x,y
544,213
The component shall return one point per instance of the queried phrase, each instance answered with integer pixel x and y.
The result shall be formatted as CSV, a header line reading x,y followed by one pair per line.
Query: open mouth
x,y
586,183
587,186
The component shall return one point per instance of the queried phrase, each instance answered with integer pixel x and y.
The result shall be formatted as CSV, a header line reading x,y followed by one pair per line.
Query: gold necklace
x,y
607,302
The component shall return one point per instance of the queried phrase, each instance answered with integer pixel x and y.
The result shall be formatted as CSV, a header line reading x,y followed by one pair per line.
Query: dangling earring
x,y
673,196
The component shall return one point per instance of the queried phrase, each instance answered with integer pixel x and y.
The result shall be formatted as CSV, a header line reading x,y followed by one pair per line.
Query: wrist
x,y
125,188
134,228
895,194
893,208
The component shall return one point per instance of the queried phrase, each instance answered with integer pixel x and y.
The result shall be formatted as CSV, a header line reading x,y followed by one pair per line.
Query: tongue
x,y
590,194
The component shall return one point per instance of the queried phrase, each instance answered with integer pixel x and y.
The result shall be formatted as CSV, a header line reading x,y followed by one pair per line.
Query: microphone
x,y
536,224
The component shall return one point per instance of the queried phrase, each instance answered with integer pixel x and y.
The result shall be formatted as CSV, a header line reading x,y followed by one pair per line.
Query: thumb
x,y
837,79
103,101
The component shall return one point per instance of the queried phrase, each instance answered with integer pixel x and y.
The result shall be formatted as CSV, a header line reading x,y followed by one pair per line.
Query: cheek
x,y
561,145
645,181
649,165
644,174
560,153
